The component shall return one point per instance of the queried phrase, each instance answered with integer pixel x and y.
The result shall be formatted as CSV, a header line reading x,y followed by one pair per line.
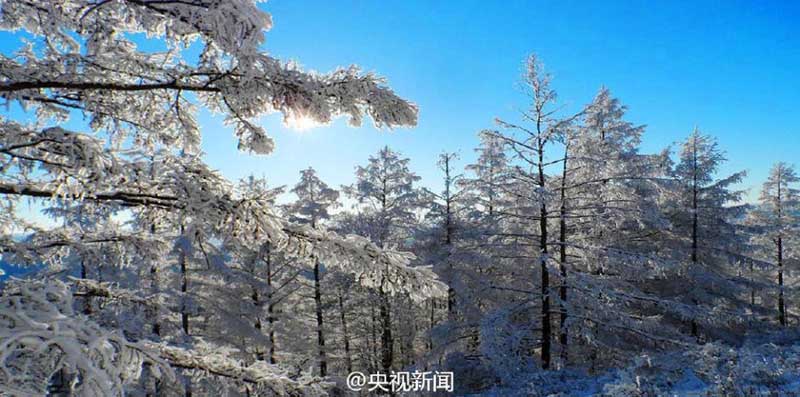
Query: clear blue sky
x,y
729,67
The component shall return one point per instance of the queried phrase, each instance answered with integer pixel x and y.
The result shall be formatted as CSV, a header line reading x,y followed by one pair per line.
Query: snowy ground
x,y
767,367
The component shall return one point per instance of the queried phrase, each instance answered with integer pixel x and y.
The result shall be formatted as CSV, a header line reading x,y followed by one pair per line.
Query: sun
x,y
301,122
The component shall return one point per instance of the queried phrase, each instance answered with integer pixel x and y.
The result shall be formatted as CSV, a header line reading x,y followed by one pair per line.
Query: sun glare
x,y
301,123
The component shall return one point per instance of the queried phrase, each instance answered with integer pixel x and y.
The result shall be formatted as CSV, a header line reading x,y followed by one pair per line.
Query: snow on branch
x,y
372,266
212,362
186,186
41,334
77,62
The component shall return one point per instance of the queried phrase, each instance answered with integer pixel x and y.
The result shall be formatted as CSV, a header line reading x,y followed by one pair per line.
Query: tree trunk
x,y
156,326
695,331
346,336
432,324
156,323
562,239
259,354
87,301
184,290
545,287
271,322
752,288
187,391
387,342
323,365
270,304
781,302
374,331
448,239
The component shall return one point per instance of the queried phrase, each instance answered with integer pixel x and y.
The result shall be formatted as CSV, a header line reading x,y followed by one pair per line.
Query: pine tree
x,y
606,195
486,188
778,217
530,149
314,199
385,190
444,214
703,215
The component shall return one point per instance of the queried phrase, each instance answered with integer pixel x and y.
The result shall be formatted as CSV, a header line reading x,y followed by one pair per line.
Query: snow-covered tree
x,y
387,198
778,218
444,214
571,261
314,199
703,213
487,191
139,158
606,196
530,145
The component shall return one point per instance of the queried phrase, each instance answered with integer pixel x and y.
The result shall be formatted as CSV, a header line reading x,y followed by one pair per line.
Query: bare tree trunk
x,y
345,336
448,239
401,352
270,304
781,302
87,301
323,365
374,330
695,331
271,322
545,282
562,263
184,291
259,354
187,391
387,341
779,242
156,325
752,288
432,324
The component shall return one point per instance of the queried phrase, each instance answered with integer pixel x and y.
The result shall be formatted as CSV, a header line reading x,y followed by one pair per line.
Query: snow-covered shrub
x,y
506,345
757,368
41,334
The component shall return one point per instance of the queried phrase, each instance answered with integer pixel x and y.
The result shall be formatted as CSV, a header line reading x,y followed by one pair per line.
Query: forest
x,y
563,261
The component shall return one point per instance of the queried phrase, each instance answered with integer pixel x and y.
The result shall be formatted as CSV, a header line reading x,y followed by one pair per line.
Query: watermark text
x,y
401,381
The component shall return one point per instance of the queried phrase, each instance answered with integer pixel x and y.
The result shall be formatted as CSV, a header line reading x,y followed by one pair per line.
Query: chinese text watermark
x,y
401,381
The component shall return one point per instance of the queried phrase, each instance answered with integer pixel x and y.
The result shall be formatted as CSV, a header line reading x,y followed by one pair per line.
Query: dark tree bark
x,y
779,243
448,229
187,390
270,303
387,342
562,262
87,302
781,301
345,336
545,282
695,221
184,292
432,324
323,365
259,354
374,330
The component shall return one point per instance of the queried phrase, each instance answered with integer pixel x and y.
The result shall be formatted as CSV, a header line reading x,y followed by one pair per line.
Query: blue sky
x,y
729,67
